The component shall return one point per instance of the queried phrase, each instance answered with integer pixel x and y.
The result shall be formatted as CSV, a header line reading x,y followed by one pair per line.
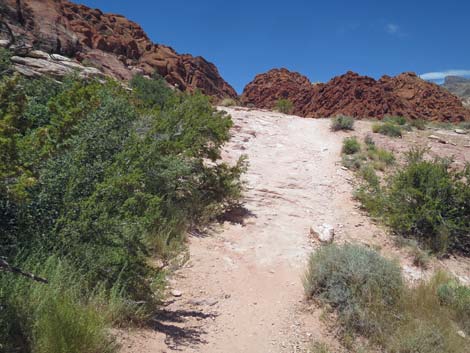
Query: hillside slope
x,y
459,86
112,43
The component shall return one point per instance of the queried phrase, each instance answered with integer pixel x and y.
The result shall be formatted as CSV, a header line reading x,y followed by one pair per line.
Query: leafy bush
x,y
228,102
367,172
284,106
395,119
387,129
372,301
364,287
351,145
102,177
456,297
5,62
342,122
425,200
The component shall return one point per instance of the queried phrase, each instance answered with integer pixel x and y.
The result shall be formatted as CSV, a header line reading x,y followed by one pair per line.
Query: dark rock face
x,y
112,43
358,96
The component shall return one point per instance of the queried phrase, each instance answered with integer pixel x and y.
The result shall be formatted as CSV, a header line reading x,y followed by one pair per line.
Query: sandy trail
x,y
241,288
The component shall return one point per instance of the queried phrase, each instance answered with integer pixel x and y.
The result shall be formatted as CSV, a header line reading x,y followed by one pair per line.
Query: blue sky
x,y
320,39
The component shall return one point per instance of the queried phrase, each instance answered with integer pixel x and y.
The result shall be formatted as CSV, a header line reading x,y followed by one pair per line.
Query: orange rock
x,y
111,42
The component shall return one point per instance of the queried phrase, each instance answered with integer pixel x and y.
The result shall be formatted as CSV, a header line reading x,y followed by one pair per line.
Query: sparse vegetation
x,y
363,287
396,120
372,301
228,102
284,106
387,129
419,124
351,145
342,122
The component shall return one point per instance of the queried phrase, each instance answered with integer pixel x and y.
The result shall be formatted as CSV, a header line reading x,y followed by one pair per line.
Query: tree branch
x,y
5,266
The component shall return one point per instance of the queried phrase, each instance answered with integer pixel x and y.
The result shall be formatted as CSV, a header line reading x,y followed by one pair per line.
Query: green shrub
x,y
428,201
319,347
424,337
381,156
284,106
419,124
354,161
60,316
365,288
367,172
369,141
103,178
351,145
387,129
228,102
421,257
396,120
342,122
456,297
5,61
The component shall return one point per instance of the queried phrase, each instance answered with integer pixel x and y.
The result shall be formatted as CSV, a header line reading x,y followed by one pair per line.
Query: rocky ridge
x,y
358,96
460,86
111,43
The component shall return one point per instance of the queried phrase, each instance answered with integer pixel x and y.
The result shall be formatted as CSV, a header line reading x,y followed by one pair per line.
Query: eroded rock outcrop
x,y
112,43
358,96
267,88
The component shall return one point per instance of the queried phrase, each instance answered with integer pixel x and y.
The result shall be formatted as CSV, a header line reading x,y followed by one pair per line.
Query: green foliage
x,y
342,122
151,93
456,297
351,145
319,347
387,129
465,125
425,200
5,62
396,120
102,177
284,106
54,317
419,124
364,287
372,301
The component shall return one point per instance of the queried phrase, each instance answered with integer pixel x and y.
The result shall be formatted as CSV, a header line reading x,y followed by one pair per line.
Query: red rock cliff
x,y
116,45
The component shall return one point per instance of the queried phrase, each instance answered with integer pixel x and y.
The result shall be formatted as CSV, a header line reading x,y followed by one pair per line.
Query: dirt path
x,y
241,289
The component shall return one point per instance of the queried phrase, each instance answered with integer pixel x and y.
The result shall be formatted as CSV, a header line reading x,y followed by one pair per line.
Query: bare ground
x,y
241,290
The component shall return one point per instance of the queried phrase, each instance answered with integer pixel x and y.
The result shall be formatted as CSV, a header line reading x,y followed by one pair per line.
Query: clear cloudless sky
x,y
320,39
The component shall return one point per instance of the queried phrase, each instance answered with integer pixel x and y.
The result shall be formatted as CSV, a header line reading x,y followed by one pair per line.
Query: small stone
x,y
461,334
176,293
460,131
437,138
325,233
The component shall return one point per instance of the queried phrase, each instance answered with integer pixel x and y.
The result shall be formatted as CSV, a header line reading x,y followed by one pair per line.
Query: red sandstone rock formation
x,y
266,89
357,96
114,44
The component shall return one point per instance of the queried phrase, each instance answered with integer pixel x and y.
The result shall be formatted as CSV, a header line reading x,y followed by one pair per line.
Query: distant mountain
x,y
460,86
